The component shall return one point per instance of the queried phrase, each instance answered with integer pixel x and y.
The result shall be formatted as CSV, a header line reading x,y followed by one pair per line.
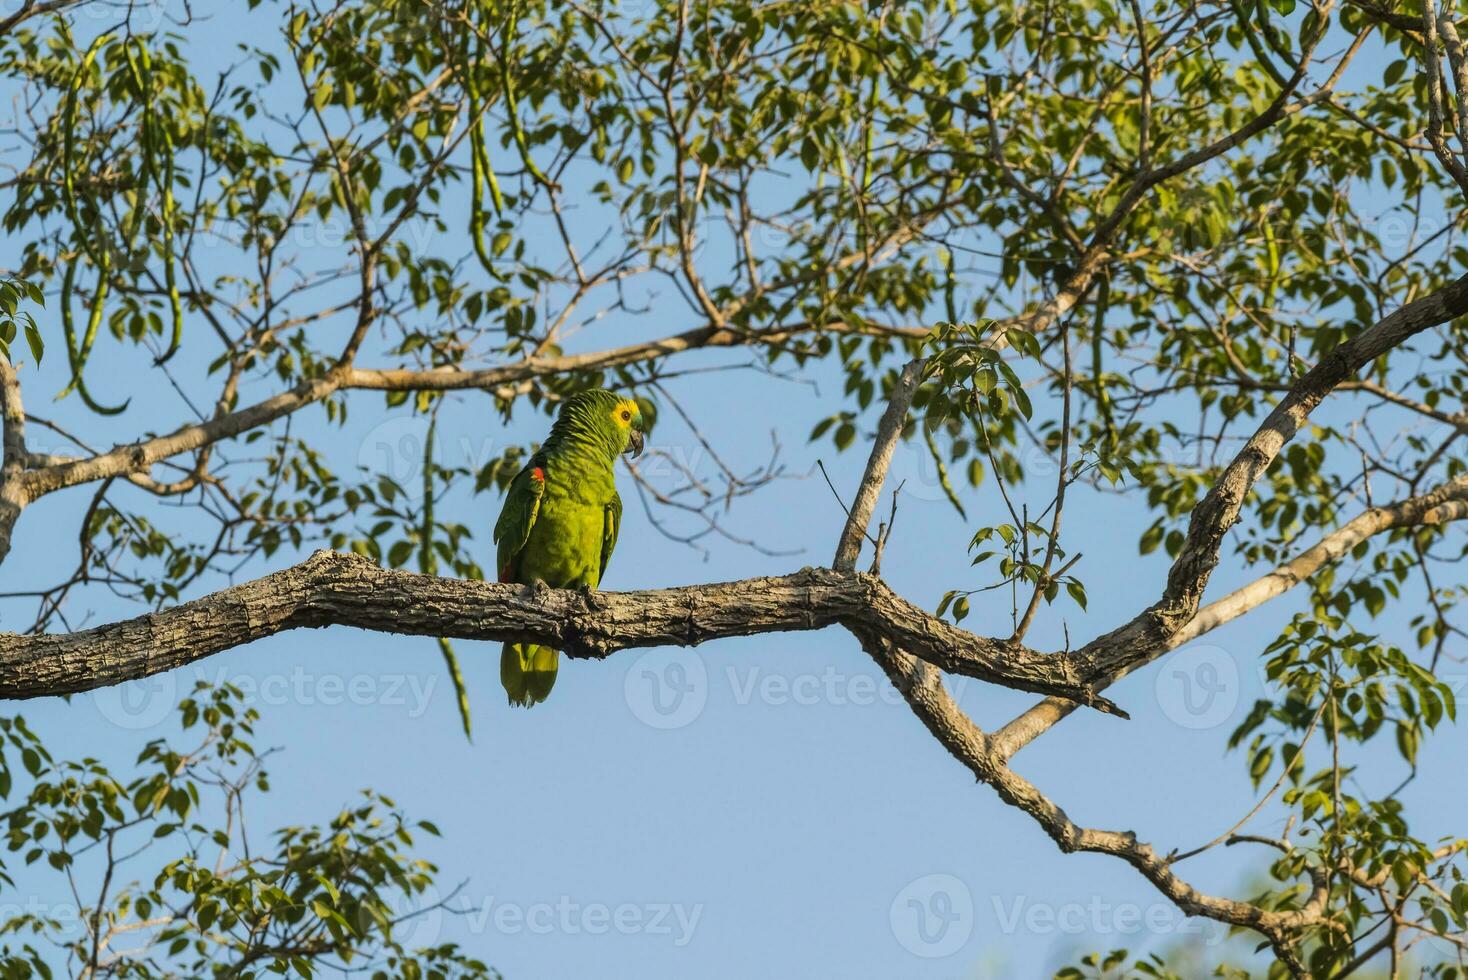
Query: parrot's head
x,y
613,420
628,418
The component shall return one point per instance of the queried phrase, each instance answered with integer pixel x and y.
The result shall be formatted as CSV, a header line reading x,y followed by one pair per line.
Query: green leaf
x,y
810,153
399,553
33,338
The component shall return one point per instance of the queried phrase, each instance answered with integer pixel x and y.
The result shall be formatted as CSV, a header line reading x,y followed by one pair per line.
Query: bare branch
x,y
12,463
1436,111
889,430
923,690
1448,502
12,414
35,8
1445,503
1149,631
137,457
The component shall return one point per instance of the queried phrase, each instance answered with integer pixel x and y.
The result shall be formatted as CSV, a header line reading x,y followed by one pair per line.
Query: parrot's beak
x,y
634,444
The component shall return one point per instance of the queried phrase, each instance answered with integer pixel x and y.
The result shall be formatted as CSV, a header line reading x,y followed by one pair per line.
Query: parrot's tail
x,y
528,672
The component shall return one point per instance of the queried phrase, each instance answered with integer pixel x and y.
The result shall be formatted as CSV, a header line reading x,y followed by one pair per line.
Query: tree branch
x,y
13,460
1448,502
981,755
335,589
889,429
12,416
1436,111
35,8
134,458
922,688
1149,631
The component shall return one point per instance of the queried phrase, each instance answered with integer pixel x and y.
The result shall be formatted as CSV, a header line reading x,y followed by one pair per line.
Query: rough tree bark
x,y
335,589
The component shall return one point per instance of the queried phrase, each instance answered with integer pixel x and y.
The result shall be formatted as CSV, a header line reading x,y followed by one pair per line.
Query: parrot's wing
x,y
610,527
522,506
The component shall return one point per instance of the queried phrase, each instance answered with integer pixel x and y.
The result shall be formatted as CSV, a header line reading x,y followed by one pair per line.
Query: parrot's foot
x,y
537,588
589,596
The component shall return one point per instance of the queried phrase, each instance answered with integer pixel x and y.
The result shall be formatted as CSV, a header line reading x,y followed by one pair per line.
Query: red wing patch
x,y
537,474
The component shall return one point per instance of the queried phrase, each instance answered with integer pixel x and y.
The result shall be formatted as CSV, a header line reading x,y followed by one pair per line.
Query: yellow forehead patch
x,y
625,411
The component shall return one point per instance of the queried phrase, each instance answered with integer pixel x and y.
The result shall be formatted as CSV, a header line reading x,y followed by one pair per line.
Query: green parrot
x,y
560,519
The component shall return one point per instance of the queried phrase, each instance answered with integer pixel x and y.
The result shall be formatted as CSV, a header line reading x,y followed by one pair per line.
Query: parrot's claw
x,y
537,588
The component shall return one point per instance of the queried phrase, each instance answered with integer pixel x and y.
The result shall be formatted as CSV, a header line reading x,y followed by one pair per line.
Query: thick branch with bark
x,y
336,589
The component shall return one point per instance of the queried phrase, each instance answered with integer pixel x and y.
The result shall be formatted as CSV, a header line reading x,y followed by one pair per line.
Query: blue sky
x,y
756,807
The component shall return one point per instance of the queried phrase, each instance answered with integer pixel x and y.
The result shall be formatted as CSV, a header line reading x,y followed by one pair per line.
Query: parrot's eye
x,y
626,415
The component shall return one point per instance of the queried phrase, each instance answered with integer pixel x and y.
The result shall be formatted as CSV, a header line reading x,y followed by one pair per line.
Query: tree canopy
x,y
1202,259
